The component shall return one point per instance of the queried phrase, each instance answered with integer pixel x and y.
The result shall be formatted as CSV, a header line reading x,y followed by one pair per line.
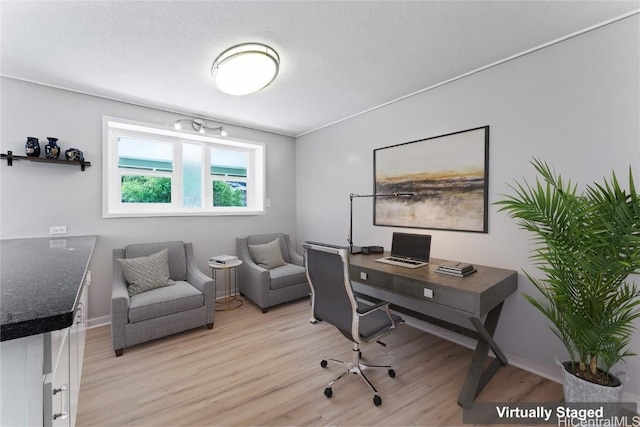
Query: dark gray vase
x,y
52,150
32,147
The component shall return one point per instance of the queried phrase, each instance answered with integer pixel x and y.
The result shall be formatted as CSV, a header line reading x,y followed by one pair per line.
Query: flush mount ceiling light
x,y
245,68
199,125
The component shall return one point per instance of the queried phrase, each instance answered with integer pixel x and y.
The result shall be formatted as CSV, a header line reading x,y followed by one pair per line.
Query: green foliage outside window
x,y
226,195
146,189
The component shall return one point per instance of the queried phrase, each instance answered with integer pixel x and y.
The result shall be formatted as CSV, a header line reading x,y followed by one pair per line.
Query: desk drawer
x,y
460,300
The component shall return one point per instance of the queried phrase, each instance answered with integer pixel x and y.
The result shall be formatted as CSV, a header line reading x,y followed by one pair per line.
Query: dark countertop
x,y
40,283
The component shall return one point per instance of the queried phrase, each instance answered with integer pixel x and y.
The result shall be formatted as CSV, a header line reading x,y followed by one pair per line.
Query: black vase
x,y
52,150
74,154
32,147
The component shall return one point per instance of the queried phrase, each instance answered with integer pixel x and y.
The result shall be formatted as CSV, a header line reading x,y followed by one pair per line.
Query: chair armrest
x,y
366,310
254,281
201,281
296,258
195,276
119,302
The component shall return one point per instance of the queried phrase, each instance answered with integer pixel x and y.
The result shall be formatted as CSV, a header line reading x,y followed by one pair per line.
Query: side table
x,y
229,301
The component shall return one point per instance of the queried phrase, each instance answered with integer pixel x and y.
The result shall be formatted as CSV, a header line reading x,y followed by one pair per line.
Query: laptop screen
x,y
412,246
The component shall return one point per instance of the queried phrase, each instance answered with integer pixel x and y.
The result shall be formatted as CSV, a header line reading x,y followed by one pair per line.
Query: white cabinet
x,y
40,374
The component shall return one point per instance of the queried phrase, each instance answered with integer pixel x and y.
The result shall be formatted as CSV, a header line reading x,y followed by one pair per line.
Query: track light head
x,y
199,125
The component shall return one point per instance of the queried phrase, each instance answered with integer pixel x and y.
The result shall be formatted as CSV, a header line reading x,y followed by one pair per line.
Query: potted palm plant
x,y
585,245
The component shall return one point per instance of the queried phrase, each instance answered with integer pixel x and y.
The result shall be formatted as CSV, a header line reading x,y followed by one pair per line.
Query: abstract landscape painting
x,y
448,176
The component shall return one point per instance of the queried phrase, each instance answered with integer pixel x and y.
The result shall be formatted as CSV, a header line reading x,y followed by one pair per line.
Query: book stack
x,y
458,269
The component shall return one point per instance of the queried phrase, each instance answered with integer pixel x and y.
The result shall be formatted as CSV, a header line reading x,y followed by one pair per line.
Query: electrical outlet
x,y
59,229
58,243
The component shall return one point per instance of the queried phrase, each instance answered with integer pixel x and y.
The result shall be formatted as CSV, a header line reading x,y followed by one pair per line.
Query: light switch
x,y
363,275
428,293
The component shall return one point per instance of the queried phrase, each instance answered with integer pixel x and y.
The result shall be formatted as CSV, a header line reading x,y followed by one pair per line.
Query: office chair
x,y
333,301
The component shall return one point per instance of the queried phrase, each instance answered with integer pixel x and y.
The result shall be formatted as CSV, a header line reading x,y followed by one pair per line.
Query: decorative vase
x,y
52,150
74,154
32,147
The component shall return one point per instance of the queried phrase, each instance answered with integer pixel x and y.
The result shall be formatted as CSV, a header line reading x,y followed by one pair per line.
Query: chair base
x,y
355,367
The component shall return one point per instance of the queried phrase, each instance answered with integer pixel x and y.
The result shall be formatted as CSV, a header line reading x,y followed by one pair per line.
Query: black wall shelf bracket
x,y
11,157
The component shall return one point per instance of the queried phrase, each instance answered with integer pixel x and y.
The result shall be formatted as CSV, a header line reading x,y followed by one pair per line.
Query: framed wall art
x,y
447,176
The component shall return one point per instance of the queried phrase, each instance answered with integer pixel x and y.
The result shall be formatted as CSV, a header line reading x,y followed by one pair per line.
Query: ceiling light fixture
x,y
199,125
245,68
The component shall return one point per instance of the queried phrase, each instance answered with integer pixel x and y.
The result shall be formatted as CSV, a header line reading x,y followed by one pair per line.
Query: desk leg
x,y
477,375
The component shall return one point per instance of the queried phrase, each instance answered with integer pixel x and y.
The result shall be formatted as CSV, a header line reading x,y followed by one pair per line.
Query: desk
x,y
416,291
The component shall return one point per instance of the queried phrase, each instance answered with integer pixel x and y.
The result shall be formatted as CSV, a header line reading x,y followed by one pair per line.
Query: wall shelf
x,y
11,157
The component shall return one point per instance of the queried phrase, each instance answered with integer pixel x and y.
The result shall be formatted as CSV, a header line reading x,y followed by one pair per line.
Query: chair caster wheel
x,y
376,400
328,392
392,373
323,363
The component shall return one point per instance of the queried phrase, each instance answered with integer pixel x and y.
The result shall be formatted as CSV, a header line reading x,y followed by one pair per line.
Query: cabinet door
x,y
57,386
76,353
21,362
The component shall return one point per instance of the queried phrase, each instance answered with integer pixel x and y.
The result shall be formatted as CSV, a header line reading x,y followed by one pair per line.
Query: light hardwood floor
x,y
264,369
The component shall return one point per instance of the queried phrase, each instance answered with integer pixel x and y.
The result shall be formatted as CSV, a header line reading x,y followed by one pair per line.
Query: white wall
x,y
574,104
35,196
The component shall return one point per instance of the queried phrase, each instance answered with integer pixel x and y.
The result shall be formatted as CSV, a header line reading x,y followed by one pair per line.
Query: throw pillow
x,y
146,273
268,255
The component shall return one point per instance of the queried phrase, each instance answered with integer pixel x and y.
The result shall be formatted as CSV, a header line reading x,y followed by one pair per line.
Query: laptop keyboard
x,y
402,262
406,261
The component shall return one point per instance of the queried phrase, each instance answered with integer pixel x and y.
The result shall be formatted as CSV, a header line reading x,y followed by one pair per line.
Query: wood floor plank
x,y
264,369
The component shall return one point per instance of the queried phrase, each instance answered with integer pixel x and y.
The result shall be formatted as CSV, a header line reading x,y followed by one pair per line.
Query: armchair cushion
x,y
268,255
164,301
146,273
287,275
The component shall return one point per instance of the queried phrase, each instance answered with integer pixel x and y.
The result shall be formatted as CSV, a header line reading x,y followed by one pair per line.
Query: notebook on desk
x,y
409,250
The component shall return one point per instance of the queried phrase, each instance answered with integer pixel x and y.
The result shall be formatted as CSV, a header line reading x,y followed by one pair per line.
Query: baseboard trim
x,y
98,321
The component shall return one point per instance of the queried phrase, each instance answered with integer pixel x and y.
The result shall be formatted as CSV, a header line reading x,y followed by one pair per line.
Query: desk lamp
x,y
358,249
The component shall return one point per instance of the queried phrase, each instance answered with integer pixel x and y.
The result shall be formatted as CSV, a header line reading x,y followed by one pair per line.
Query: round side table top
x,y
231,264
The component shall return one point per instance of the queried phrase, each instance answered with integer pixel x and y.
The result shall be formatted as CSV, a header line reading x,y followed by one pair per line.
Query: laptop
x,y
409,250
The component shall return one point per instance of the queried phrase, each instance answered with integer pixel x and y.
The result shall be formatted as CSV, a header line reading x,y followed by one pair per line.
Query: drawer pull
x,y
64,403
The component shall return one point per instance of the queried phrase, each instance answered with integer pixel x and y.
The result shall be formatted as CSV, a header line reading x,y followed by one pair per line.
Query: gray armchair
x,y
167,310
269,287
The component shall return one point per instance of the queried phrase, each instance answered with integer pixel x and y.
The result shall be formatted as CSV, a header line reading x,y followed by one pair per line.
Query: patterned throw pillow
x,y
267,256
146,273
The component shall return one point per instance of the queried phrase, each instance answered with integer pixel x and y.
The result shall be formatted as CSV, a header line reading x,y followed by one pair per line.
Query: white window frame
x,y
112,205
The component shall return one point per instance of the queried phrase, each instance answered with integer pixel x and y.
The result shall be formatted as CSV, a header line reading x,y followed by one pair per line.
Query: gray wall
x,y
574,104
35,196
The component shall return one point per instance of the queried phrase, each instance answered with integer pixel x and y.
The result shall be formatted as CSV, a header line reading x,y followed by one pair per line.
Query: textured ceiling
x,y
338,59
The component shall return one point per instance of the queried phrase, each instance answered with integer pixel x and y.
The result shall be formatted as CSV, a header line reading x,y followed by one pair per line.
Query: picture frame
x,y
446,176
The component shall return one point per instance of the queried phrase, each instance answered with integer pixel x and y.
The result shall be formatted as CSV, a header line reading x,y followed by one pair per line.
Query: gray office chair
x,y
333,301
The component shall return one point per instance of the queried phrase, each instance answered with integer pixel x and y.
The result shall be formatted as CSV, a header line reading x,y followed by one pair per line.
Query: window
x,y
151,171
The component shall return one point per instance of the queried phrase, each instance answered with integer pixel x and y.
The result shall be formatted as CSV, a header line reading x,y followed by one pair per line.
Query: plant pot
x,y
578,390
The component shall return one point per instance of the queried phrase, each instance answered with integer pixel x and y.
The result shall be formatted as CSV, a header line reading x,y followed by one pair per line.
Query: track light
x,y
199,125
